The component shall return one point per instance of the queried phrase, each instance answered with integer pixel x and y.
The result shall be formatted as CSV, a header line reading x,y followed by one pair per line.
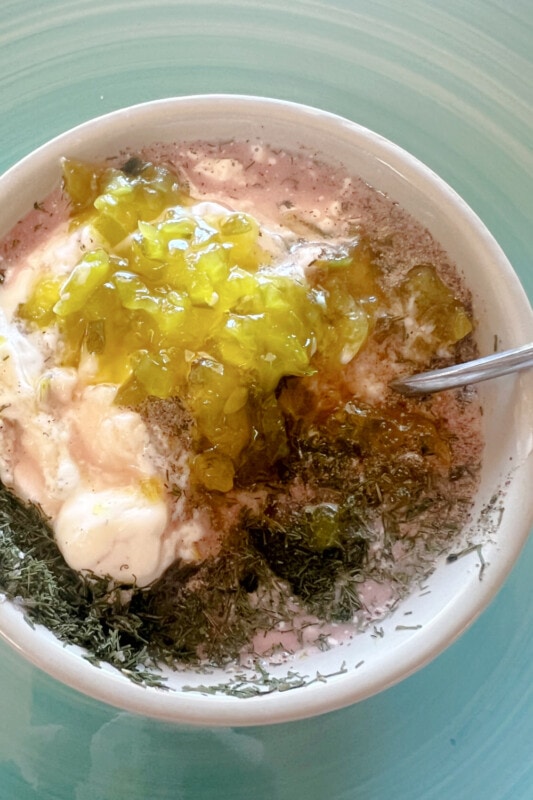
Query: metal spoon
x,y
481,369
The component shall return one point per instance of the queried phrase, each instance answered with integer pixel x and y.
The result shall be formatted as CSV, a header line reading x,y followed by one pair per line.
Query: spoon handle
x,y
481,369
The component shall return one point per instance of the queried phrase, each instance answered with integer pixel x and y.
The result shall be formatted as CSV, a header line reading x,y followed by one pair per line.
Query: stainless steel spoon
x,y
481,369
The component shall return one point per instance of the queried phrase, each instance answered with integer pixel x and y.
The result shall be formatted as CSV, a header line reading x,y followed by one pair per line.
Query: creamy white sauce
x,y
85,461
116,531
65,446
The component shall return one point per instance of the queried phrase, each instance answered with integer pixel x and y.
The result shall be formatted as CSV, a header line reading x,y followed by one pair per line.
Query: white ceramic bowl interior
x,y
455,595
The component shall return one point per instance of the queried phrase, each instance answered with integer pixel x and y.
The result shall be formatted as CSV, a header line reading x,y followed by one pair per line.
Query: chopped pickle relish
x,y
172,302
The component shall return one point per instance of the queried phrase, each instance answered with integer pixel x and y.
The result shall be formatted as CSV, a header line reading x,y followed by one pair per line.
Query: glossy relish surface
x,y
174,303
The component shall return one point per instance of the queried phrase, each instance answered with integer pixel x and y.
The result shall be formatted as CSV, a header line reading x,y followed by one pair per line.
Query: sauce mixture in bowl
x,y
196,345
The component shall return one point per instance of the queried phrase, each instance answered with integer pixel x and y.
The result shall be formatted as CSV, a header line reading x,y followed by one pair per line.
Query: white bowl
x,y
457,595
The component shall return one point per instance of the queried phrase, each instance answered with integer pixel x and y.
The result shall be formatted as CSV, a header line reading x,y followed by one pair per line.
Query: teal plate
x,y
452,82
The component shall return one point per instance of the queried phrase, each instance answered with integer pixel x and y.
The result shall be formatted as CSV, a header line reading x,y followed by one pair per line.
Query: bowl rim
x,y
418,649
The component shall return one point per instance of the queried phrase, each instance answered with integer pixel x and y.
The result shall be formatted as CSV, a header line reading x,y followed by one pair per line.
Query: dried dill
x,y
205,612
407,627
368,480
452,557
324,578
135,630
243,686
190,614
79,609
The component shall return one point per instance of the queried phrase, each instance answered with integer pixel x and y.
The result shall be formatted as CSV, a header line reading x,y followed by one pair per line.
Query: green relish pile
x,y
172,303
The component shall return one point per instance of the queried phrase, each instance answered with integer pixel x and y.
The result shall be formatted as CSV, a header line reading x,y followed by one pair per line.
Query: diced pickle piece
x,y
151,244
92,271
134,293
263,347
116,200
131,392
441,319
95,336
240,232
324,526
352,293
83,182
212,261
39,308
389,433
346,333
103,303
268,441
352,274
236,400
239,288
210,386
213,470
155,374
